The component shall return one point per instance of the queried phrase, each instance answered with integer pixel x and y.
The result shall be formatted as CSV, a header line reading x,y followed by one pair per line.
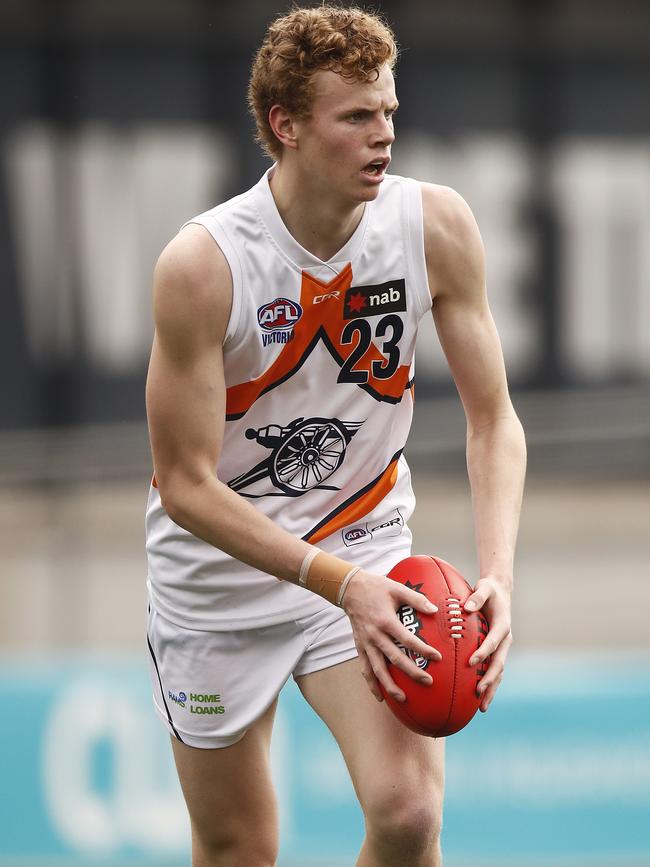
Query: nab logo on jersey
x,y
362,301
279,315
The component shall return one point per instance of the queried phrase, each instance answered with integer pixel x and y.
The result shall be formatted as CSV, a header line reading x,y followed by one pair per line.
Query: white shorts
x,y
210,687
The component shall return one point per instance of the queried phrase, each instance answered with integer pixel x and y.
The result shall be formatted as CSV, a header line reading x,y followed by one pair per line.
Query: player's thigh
x,y
229,787
387,761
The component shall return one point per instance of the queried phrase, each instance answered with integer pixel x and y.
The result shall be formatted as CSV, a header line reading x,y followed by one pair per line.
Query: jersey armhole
x,y
415,246
217,231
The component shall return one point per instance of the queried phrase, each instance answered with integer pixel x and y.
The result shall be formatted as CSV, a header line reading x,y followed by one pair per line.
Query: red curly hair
x,y
346,40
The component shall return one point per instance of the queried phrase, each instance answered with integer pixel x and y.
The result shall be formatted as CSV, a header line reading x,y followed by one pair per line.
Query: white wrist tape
x,y
306,563
344,585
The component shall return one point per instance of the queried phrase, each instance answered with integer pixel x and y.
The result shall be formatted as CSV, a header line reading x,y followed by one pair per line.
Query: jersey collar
x,y
300,258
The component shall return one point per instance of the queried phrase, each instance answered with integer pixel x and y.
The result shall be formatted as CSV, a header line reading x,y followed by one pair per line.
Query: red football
x,y
450,702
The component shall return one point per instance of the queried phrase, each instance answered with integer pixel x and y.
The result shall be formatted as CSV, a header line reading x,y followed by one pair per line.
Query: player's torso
x,y
319,360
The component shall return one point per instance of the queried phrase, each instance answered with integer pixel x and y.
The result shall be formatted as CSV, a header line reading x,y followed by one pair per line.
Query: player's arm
x,y
496,451
186,401
186,407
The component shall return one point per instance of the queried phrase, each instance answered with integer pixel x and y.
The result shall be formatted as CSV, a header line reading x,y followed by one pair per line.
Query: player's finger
x,y
476,600
495,637
489,694
380,671
497,662
401,660
418,601
490,681
404,636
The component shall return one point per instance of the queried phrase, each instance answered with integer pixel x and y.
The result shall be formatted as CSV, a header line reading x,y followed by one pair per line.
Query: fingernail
x,y
471,605
473,660
399,697
426,679
431,608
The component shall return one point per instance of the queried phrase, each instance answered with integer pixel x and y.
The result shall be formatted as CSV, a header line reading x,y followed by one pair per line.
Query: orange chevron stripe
x,y
327,315
361,507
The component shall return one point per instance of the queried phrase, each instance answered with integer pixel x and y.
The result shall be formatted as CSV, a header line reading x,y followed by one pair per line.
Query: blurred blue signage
x,y
558,771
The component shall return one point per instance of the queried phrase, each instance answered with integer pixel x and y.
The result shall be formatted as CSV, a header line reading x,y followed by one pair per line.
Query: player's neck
x,y
318,222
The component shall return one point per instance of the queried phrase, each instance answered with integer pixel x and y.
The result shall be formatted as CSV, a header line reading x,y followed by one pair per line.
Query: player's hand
x,y
492,596
371,603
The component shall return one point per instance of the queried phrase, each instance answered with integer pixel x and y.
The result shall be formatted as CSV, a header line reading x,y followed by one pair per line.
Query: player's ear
x,y
283,126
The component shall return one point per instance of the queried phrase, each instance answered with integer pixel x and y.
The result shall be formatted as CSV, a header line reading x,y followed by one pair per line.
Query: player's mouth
x,y
376,169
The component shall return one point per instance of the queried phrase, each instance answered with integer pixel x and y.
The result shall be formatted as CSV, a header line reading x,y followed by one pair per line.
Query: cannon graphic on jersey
x,y
304,454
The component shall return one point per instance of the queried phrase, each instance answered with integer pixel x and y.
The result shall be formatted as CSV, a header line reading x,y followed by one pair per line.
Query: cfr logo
x,y
335,295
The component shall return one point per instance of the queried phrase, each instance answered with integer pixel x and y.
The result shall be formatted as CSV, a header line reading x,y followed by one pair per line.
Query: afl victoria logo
x,y
279,315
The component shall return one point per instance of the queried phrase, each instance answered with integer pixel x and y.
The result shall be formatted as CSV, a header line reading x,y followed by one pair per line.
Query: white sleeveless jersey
x,y
318,360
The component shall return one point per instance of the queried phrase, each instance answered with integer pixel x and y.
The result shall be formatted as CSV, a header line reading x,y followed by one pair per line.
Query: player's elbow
x,y
172,506
188,493
173,488
168,495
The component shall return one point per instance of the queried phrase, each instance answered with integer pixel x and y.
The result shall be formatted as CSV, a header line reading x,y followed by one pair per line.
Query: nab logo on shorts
x,y
362,301
279,315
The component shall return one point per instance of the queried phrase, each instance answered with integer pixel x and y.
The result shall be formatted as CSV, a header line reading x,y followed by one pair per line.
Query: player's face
x,y
347,139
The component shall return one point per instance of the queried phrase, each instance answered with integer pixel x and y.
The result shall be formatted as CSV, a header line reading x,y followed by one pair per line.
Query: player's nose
x,y
384,134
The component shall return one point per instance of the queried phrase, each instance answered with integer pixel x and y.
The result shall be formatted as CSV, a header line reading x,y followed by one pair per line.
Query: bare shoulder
x,y
452,241
192,286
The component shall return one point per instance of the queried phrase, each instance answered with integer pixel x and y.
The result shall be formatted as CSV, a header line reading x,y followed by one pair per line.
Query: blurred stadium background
x,y
121,120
